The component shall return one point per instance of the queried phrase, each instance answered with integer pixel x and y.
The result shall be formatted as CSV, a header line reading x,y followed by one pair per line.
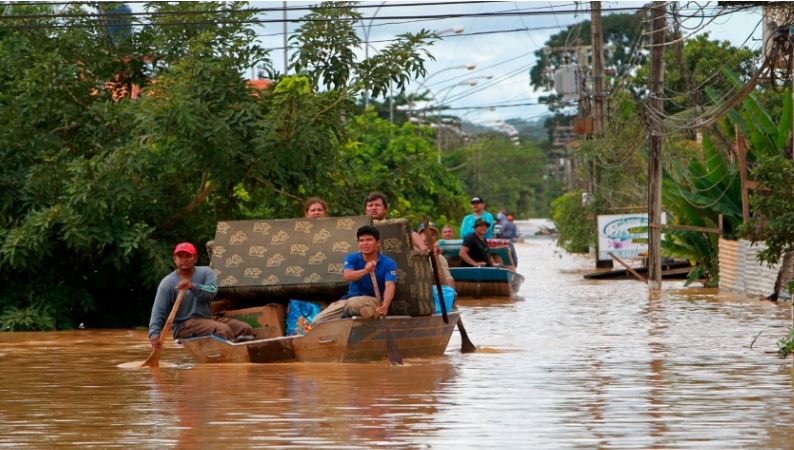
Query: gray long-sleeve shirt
x,y
195,303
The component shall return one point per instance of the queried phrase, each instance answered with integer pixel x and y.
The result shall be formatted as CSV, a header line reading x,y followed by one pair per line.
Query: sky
x,y
506,56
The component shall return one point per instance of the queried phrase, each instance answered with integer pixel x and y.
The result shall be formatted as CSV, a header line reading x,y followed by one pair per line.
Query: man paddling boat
x,y
194,317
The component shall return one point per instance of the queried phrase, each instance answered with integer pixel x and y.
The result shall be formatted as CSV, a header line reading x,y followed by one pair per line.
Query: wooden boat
x,y
477,282
343,340
676,270
277,261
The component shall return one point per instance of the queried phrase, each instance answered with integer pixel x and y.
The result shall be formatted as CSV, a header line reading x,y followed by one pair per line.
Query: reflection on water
x,y
575,363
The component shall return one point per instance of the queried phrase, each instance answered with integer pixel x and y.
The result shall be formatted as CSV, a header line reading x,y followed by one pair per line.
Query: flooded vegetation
x,y
572,363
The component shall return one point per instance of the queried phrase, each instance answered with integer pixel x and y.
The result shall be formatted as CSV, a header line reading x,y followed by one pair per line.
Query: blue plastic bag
x,y
300,314
449,298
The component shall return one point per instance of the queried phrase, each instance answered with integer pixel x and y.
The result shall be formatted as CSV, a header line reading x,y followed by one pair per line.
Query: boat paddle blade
x,y
466,345
391,346
154,358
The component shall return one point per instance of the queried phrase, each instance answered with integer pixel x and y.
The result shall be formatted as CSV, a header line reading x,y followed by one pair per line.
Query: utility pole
x,y
655,147
286,61
598,69
597,41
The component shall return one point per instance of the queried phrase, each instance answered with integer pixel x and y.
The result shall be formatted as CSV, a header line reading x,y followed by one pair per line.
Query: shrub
x,y
575,223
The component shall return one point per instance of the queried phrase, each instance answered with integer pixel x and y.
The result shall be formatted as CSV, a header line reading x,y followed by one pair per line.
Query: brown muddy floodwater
x,y
574,364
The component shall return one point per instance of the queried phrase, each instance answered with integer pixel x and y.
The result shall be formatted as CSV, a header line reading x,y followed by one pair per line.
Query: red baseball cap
x,y
185,247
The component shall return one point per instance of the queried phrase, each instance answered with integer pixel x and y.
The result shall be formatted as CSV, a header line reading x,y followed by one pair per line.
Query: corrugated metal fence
x,y
741,272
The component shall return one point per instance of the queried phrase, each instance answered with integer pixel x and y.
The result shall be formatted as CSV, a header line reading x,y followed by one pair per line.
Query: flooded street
x,y
574,363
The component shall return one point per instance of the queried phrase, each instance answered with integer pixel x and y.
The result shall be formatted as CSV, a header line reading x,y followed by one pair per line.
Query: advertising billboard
x,y
618,234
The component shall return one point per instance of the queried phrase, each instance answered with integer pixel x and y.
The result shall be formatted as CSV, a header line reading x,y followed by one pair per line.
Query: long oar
x,y
434,265
466,345
391,346
154,358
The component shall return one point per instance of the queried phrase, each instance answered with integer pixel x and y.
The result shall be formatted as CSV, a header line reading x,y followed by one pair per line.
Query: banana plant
x,y
709,186
696,195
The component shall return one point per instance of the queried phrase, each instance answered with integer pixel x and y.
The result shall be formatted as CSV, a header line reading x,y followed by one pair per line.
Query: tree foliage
x,y
773,205
506,175
622,34
97,186
698,66
399,161
575,222
327,42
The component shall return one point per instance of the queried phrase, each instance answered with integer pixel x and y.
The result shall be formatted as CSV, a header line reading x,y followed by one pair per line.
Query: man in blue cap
x,y
479,212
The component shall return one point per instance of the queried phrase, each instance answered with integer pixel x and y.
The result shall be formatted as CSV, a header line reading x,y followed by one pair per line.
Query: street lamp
x,y
447,90
455,30
366,30
435,99
462,66
509,130
470,81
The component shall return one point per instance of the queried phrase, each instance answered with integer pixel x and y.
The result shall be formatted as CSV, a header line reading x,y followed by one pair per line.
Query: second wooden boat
x,y
480,282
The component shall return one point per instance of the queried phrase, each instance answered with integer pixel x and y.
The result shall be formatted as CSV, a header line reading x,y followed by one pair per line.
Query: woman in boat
x,y
474,252
314,208
447,232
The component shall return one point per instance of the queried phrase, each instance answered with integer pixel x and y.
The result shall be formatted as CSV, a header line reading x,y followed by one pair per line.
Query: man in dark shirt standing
x,y
474,251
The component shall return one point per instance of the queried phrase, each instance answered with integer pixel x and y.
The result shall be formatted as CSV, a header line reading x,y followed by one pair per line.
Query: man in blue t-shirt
x,y
478,212
361,299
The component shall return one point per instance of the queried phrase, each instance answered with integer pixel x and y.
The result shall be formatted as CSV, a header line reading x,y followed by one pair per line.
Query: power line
x,y
119,14
307,20
457,108
487,85
482,69
476,33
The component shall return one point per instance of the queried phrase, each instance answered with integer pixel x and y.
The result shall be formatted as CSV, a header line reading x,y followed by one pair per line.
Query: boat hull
x,y
477,282
342,340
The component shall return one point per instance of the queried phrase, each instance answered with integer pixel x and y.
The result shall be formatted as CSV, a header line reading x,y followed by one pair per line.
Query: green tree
x,y
575,222
773,206
506,175
399,161
698,66
96,187
327,42
622,38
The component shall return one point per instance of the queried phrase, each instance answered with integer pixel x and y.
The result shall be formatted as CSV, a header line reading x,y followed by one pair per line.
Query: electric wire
x,y
304,19
119,14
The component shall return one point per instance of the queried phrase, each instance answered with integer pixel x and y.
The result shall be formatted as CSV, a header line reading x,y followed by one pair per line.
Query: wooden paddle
x,y
434,265
466,345
391,346
154,358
